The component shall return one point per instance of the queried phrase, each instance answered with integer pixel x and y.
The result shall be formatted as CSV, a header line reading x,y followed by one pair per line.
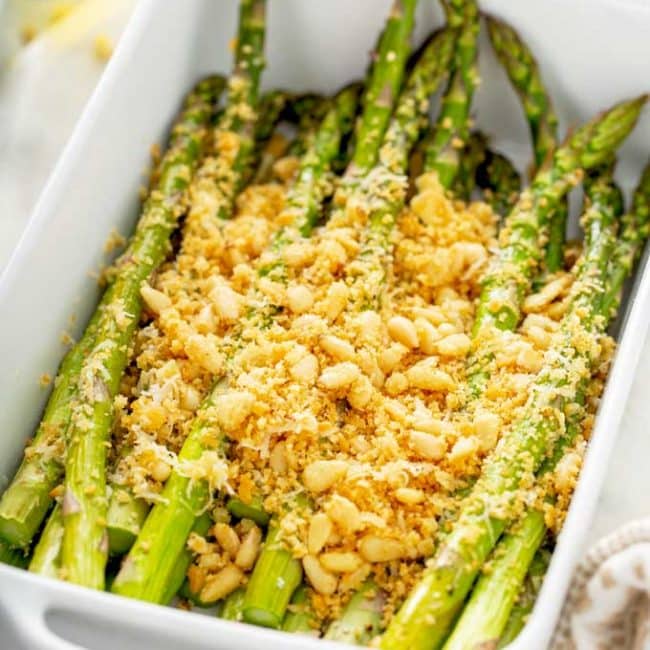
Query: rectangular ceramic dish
x,y
593,53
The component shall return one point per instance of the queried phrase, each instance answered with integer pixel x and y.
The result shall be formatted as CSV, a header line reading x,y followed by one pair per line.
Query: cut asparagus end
x,y
46,559
275,577
13,556
125,519
300,618
233,605
253,510
361,619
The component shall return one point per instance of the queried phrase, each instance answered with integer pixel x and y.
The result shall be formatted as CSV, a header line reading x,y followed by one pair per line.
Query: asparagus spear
x,y
232,606
307,111
201,527
471,159
488,609
126,512
271,108
125,516
452,129
383,86
253,510
305,198
13,556
275,577
526,599
523,71
635,232
27,499
425,617
46,558
221,178
485,616
361,619
524,74
509,278
300,618
277,573
147,567
500,182
85,540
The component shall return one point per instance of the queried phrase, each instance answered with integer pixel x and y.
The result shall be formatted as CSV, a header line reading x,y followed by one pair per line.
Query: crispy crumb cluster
x,y
346,405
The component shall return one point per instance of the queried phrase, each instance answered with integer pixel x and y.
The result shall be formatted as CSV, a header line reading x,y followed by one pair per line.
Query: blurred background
x,y
52,53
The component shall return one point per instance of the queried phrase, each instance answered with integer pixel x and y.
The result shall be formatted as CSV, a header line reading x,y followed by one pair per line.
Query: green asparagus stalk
x,y
487,612
452,129
272,106
126,512
500,182
361,619
13,556
147,568
85,542
554,257
524,74
383,86
523,71
426,616
300,618
314,177
253,510
485,616
241,115
240,118
27,499
510,276
526,599
266,602
277,573
46,559
307,111
201,527
635,232
232,606
483,619
471,159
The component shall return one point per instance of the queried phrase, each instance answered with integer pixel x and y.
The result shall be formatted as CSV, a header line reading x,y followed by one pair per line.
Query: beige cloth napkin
x,y
608,605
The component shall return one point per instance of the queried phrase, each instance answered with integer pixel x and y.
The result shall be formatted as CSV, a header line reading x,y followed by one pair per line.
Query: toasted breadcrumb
x,y
357,400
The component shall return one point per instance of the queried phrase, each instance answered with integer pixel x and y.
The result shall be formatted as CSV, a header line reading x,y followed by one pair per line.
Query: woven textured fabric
x,y
608,604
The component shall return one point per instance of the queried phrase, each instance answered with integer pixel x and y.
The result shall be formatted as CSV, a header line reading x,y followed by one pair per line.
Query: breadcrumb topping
x,y
344,363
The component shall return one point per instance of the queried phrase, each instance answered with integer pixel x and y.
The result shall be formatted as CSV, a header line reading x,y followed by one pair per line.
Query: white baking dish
x,y
594,52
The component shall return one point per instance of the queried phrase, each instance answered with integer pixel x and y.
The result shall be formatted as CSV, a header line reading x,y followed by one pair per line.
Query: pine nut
x,y
249,549
322,474
403,330
340,561
379,549
221,584
321,580
227,538
320,528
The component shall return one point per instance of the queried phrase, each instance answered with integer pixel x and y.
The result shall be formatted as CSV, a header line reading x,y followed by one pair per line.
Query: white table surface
x,y
27,156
